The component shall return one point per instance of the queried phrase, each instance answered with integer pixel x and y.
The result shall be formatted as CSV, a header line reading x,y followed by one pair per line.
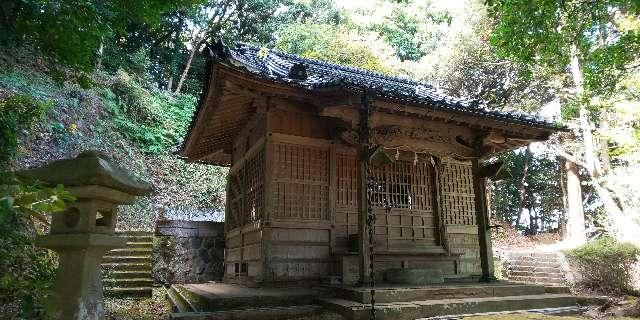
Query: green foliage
x,y
541,192
328,43
154,120
550,32
71,30
26,271
606,265
16,113
413,29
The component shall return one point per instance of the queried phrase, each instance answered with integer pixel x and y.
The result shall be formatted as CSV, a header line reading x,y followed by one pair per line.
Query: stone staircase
x,y
227,302
534,267
128,269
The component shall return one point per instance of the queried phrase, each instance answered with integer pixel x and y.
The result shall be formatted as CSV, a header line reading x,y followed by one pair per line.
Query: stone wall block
x,y
198,255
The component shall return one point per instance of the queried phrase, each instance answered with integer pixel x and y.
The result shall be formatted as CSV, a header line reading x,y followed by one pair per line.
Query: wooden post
x,y
363,236
363,150
482,219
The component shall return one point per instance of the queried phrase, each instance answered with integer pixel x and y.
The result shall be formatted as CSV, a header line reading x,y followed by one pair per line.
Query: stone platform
x,y
225,301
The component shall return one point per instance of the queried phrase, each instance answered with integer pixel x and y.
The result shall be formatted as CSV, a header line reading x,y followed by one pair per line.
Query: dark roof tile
x,y
276,65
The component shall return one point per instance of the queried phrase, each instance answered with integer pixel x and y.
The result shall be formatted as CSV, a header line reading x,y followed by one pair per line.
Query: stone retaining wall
x,y
188,251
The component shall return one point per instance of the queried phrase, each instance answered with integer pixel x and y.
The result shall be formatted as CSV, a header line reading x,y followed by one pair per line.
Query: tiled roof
x,y
317,75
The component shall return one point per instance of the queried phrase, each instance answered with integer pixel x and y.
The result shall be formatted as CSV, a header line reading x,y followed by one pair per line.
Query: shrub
x,y
16,113
605,264
152,119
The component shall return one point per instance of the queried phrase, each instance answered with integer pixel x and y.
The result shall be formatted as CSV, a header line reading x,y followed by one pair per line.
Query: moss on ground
x,y
155,307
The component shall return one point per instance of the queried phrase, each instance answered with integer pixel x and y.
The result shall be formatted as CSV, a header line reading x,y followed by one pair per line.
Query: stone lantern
x,y
84,232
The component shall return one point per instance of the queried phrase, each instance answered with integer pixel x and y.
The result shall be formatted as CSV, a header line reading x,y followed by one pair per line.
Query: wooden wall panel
x,y
459,214
298,123
298,254
245,190
300,185
458,204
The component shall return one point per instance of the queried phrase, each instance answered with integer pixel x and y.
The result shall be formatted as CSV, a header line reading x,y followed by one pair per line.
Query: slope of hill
x,y
137,126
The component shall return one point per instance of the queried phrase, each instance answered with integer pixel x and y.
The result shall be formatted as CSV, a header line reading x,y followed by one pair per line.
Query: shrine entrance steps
x,y
534,267
225,301
128,270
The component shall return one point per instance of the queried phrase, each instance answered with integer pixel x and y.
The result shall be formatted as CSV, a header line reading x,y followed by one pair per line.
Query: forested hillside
x,y
124,77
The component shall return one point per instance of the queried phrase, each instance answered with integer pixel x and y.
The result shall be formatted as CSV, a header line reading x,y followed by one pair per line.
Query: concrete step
x,y
128,283
135,233
128,292
533,276
524,314
270,313
117,275
127,259
127,266
139,245
512,273
130,252
548,264
528,254
433,308
388,295
219,297
139,238
534,269
178,303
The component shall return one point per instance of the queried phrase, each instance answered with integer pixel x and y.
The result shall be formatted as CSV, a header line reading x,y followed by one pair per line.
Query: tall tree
x,y
568,36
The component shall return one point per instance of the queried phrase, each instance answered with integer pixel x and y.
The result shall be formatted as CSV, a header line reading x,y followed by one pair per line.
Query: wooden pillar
x,y
482,219
363,210
363,236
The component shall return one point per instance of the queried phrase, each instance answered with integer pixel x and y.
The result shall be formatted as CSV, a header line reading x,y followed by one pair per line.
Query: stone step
x,y
270,313
552,264
139,238
139,245
178,303
433,308
537,276
388,295
219,297
128,283
127,266
512,273
543,280
130,252
130,274
126,259
135,233
128,292
525,314
537,269
539,255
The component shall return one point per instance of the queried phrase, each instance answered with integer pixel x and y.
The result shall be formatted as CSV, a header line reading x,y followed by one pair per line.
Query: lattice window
x,y
403,185
457,193
403,200
245,192
300,182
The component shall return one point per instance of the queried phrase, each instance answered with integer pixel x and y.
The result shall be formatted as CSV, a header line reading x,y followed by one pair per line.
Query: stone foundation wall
x,y
188,251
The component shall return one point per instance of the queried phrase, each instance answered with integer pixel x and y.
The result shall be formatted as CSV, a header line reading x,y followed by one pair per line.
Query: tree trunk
x,y
99,53
192,53
619,224
170,83
575,234
562,216
523,185
604,143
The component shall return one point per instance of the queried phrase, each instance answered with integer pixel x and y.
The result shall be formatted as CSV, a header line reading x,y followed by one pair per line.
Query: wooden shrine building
x,y
321,154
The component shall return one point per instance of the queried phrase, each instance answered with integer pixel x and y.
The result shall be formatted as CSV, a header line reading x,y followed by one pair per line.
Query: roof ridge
x,y
402,79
